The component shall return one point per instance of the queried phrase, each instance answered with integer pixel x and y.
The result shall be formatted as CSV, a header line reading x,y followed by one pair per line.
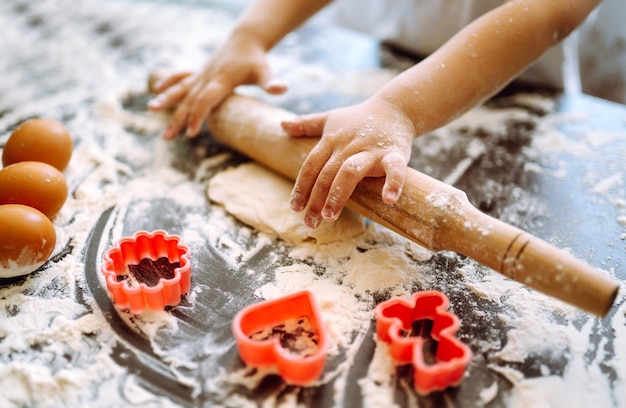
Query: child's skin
x,y
372,138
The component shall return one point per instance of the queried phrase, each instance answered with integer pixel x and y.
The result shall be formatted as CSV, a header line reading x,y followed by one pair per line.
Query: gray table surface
x,y
575,211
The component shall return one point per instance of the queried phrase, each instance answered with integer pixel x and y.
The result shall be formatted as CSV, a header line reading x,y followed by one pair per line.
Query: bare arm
x,y
268,21
481,59
240,60
373,138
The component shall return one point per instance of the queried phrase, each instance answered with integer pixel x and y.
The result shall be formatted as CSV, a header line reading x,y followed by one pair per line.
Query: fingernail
x,y
329,215
391,197
189,132
168,133
296,202
156,102
313,221
276,85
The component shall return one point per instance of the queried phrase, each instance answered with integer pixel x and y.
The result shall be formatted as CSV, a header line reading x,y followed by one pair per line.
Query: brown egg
x,y
27,238
35,184
43,140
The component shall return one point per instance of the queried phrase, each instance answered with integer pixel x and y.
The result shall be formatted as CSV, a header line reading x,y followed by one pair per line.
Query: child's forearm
x,y
481,59
268,21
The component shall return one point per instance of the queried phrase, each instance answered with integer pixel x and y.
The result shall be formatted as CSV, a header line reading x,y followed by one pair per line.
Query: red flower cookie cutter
x,y
396,317
149,270
286,333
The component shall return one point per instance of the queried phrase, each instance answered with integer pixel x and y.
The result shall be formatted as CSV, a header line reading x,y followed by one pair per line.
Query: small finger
x,y
305,125
307,177
177,122
162,83
162,101
171,97
211,95
394,165
351,172
320,191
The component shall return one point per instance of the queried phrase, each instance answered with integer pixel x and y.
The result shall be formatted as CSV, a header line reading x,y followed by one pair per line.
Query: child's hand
x,y
371,139
195,94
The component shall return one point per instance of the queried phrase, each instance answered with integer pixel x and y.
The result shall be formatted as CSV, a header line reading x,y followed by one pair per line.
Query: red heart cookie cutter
x,y
149,270
286,333
398,321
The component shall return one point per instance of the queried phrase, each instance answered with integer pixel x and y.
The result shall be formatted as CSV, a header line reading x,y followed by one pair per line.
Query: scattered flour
x,y
57,347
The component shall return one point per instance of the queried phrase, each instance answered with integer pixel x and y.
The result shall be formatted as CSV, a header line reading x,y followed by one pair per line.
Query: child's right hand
x,y
370,139
195,94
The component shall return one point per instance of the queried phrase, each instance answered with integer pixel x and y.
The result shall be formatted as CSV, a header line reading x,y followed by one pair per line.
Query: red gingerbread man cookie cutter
x,y
396,324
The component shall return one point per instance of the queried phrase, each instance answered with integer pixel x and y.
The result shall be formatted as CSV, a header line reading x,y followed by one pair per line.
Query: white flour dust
x,y
85,63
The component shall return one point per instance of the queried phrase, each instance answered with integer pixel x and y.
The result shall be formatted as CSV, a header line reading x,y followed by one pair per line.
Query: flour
x,y
378,383
85,63
488,394
56,346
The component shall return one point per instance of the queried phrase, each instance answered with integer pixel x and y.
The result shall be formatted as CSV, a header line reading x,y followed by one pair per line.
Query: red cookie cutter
x,y
258,329
396,317
132,251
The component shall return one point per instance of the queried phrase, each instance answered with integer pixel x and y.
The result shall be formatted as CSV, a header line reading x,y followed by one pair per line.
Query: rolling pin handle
x,y
561,275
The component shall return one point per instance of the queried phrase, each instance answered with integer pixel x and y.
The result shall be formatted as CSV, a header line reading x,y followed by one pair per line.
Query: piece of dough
x,y
260,198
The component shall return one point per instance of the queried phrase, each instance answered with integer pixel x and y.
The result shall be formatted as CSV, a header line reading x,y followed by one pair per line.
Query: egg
x,y
27,238
35,184
43,140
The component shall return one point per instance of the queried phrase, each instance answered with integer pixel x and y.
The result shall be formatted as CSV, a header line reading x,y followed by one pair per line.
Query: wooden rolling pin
x,y
429,212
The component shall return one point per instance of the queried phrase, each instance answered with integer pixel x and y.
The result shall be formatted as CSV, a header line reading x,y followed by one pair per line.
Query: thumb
x,y
270,84
306,125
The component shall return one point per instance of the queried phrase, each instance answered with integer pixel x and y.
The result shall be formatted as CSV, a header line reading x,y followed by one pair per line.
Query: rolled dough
x,y
260,198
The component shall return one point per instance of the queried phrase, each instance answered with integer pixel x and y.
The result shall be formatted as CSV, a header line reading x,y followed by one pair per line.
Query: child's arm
x,y
241,60
373,139
482,58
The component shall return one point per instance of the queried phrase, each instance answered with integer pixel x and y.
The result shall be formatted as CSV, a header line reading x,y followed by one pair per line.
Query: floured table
x,y
548,163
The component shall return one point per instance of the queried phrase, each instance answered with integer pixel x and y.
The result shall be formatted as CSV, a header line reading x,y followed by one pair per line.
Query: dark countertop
x,y
551,164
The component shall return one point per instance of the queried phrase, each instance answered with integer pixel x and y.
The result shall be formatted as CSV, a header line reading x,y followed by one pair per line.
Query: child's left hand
x,y
371,139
